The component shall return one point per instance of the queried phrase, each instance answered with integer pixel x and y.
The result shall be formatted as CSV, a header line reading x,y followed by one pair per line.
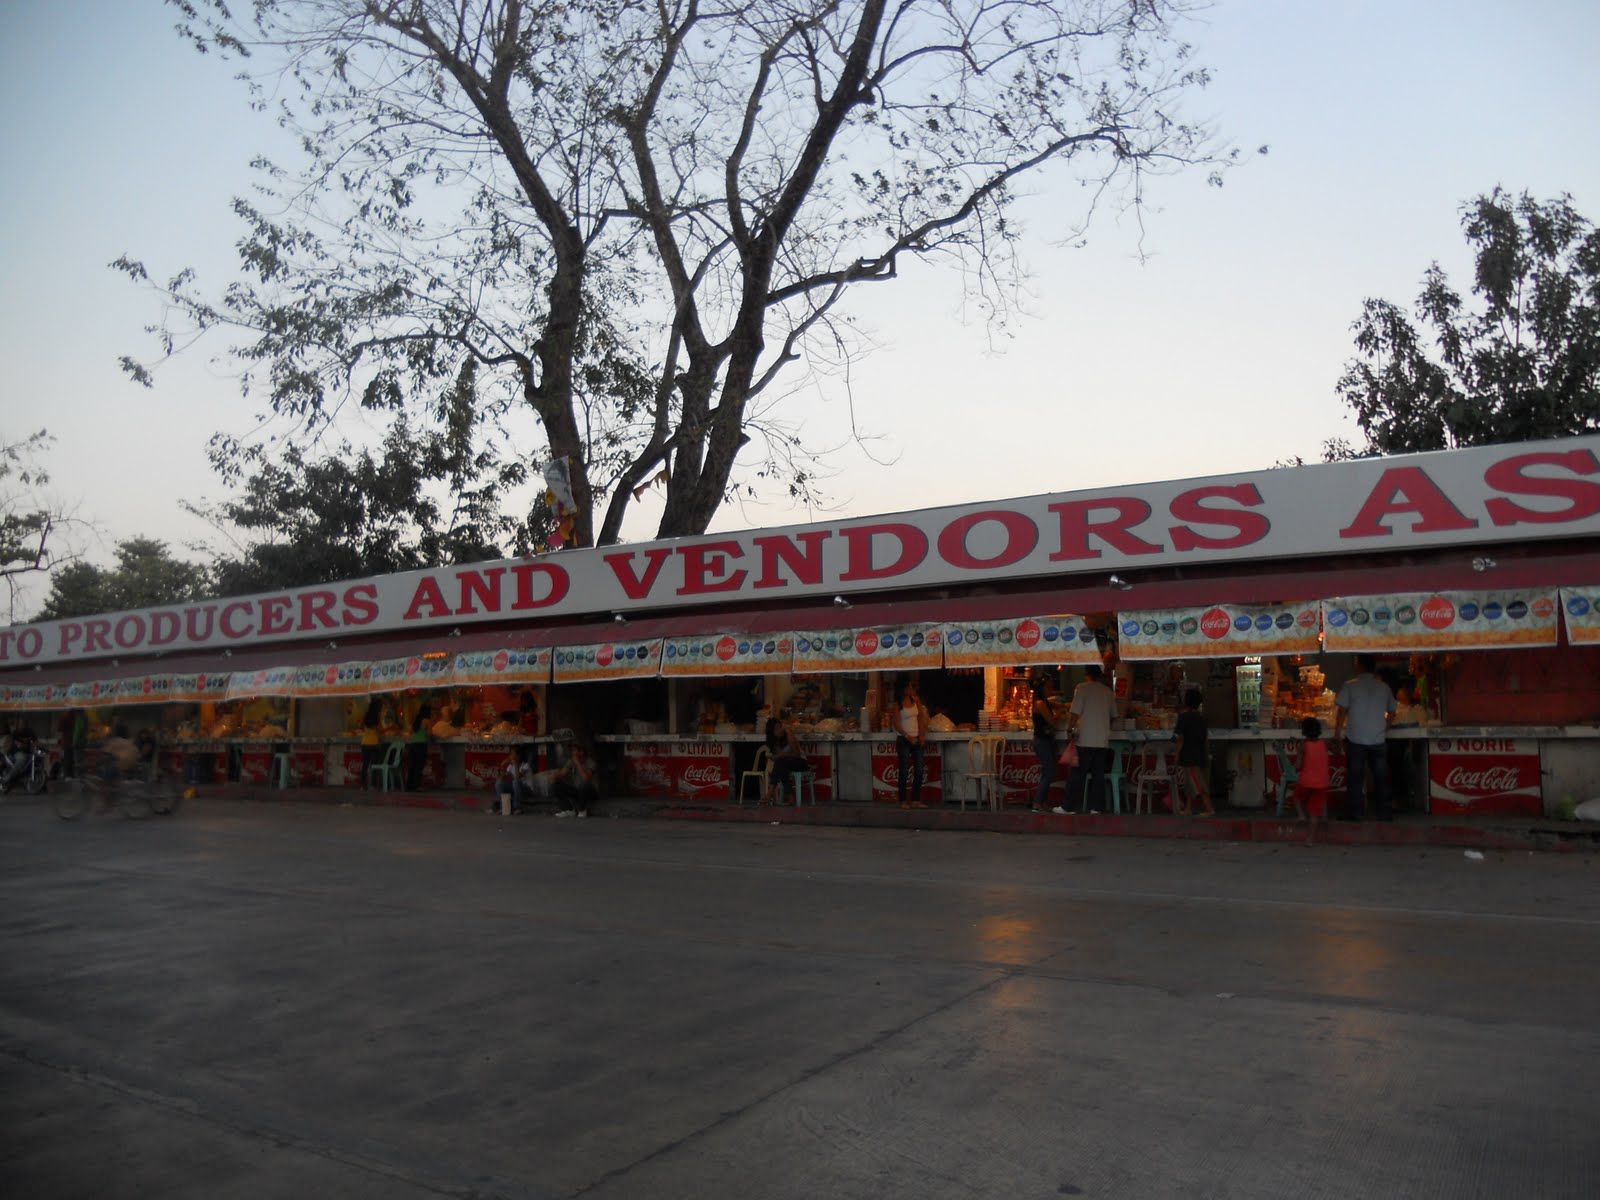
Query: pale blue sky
x,y
1216,353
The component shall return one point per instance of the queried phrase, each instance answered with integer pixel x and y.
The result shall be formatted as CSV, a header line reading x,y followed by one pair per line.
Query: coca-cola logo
x,y
605,656
1214,623
501,661
1438,612
1483,781
1019,776
1028,635
866,642
726,648
709,773
1544,608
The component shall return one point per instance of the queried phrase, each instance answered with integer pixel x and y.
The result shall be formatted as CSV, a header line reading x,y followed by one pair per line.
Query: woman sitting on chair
x,y
787,761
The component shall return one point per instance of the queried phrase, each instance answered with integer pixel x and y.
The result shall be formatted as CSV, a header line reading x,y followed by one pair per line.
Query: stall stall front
x,y
1472,574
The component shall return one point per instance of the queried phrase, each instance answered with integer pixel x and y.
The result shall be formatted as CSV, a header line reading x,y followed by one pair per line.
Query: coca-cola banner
x,y
512,667
270,681
1220,631
144,689
1581,607
197,688
608,660
21,698
678,770
1440,621
886,648
414,671
1486,776
886,773
729,654
333,679
1061,639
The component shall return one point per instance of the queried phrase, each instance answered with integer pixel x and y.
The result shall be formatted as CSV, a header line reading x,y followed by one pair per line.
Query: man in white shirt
x,y
1093,705
1365,706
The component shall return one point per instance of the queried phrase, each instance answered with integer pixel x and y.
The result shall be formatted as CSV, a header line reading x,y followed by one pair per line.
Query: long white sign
x,y
1472,496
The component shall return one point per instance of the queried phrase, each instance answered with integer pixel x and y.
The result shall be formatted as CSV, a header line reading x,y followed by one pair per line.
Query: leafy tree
x,y
354,512
636,217
31,525
1520,364
145,575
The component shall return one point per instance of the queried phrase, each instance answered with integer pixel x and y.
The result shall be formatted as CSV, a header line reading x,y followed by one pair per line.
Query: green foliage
x,y
354,512
145,576
636,218
1519,362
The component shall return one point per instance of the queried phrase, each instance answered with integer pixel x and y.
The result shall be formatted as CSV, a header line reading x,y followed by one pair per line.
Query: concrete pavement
x,y
254,1000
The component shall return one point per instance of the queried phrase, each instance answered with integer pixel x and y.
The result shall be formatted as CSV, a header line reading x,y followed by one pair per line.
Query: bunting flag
x,y
1441,621
197,688
887,648
1059,639
608,660
510,667
729,654
1581,609
144,689
1220,631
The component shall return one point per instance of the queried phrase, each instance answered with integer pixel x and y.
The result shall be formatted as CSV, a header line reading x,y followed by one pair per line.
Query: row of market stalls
x,y
1473,575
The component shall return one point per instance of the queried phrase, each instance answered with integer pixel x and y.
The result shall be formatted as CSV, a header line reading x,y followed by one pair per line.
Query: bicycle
x,y
136,796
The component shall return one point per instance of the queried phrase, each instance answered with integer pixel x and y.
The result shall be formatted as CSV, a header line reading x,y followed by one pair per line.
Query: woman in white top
x,y
911,730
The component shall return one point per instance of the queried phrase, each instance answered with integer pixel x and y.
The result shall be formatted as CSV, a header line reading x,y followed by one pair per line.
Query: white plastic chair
x,y
983,772
1157,774
387,769
759,773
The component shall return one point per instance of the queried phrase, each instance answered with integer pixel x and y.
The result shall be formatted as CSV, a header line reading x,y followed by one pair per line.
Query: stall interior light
x,y
436,654
841,602
1117,581
619,618
1484,563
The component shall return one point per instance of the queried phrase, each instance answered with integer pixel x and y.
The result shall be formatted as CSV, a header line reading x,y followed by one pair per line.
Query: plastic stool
x,y
804,781
1118,774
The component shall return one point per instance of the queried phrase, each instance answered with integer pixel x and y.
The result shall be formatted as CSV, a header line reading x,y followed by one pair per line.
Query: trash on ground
x,y
1475,855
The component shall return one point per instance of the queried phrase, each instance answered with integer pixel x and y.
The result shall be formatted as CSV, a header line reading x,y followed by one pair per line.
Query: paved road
x,y
253,1001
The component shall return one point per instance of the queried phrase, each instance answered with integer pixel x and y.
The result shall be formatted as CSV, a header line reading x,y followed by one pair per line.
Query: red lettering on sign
x,y
96,634
480,587
557,580
71,632
860,539
1507,475
622,567
427,597
1022,535
316,610
130,631
1407,490
1248,527
164,628
192,624
275,615
231,629
804,560
361,604
1116,530
705,568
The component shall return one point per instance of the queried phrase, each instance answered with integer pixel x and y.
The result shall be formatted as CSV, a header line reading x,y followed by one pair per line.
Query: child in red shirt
x,y
1311,789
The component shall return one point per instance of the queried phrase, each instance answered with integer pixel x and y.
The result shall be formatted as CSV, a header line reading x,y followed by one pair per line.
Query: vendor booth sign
x,y
729,654
1581,608
144,689
887,648
509,667
417,671
1492,777
1062,639
197,689
608,660
333,679
886,773
1219,631
1441,621
270,681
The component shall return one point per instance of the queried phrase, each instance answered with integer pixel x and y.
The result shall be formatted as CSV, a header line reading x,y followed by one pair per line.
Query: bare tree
x,y
32,525
641,213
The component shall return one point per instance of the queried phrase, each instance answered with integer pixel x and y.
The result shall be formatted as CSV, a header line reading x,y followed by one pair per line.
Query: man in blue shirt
x,y
1365,707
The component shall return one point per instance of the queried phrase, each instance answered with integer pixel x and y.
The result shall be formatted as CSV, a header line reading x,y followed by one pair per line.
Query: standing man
x,y
1366,705
574,786
1044,739
911,730
1092,706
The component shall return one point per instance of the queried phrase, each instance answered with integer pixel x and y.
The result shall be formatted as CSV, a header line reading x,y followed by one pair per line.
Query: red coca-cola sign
x,y
331,676
604,655
866,642
1214,623
1543,607
1437,612
1486,776
1028,634
502,660
726,648
413,665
